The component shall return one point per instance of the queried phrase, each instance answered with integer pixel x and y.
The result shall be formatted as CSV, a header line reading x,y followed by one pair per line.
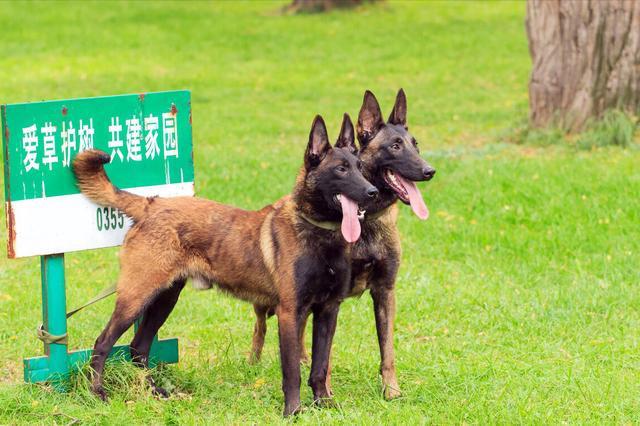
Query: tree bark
x,y
586,59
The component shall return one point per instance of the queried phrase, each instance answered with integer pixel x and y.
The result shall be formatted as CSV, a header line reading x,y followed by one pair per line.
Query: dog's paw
x,y
100,393
325,402
159,392
253,359
292,410
391,392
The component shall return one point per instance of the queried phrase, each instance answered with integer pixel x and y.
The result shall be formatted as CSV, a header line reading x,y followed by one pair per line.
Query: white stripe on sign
x,y
72,222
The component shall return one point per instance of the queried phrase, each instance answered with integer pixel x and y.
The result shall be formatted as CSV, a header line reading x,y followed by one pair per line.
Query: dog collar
x,y
376,215
324,224
334,226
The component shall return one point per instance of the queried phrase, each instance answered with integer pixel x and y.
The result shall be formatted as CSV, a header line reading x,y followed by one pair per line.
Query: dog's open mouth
x,y
408,192
351,215
391,179
361,212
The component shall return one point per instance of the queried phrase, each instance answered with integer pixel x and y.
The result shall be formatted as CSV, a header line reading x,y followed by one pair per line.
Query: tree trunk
x,y
586,59
321,5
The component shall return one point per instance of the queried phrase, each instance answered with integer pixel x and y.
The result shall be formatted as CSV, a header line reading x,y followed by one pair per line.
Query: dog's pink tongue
x,y
415,198
350,223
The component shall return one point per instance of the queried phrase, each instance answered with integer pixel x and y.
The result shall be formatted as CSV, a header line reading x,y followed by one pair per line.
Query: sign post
x,y
54,320
149,139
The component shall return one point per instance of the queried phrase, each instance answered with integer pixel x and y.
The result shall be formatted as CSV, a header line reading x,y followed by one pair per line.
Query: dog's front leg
x,y
324,327
288,319
384,305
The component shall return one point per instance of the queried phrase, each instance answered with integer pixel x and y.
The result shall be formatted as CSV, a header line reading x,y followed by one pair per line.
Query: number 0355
x,y
109,218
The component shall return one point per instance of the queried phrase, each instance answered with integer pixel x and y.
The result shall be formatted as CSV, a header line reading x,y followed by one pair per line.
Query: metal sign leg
x,y
58,362
54,317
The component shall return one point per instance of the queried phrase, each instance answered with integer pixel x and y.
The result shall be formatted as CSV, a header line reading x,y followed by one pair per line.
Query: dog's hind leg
x,y
304,356
153,318
137,288
124,314
259,332
328,379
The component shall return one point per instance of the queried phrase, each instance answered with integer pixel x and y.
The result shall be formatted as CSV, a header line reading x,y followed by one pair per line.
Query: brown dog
x,y
391,161
277,257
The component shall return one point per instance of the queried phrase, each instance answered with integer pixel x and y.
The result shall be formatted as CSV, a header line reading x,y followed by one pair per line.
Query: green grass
x,y
517,299
613,128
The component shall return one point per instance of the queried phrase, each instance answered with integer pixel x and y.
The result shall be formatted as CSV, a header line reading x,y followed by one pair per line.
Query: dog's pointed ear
x,y
318,143
347,136
370,119
399,113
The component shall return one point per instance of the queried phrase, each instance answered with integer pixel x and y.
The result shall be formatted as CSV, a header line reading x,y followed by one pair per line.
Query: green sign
x,y
147,135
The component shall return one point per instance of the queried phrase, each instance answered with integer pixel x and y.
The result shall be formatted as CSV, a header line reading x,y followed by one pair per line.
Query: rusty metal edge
x,y
11,233
193,148
11,236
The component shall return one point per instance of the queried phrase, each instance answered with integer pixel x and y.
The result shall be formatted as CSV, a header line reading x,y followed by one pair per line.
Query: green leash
x,y
49,338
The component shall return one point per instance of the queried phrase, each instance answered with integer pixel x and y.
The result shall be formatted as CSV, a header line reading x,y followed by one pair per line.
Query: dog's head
x,y
390,153
333,182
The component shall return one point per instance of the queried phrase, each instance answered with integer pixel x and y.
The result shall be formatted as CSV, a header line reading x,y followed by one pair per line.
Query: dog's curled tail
x,y
88,168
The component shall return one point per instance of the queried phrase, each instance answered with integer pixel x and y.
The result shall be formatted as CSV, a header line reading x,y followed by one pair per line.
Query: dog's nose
x,y
428,172
372,192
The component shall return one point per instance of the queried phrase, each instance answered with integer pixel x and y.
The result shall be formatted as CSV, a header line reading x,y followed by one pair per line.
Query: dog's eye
x,y
341,169
397,144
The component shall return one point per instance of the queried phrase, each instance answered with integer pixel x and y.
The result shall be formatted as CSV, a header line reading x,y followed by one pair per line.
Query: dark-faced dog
x,y
391,161
277,257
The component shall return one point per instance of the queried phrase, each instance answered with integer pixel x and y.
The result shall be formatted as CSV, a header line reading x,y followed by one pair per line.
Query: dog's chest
x,y
362,269
368,256
323,276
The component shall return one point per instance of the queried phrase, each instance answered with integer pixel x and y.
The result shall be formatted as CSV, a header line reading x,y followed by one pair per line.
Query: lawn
x,y
517,299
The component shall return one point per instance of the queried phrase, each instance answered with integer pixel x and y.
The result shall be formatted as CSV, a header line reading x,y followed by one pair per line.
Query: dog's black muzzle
x,y
428,172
